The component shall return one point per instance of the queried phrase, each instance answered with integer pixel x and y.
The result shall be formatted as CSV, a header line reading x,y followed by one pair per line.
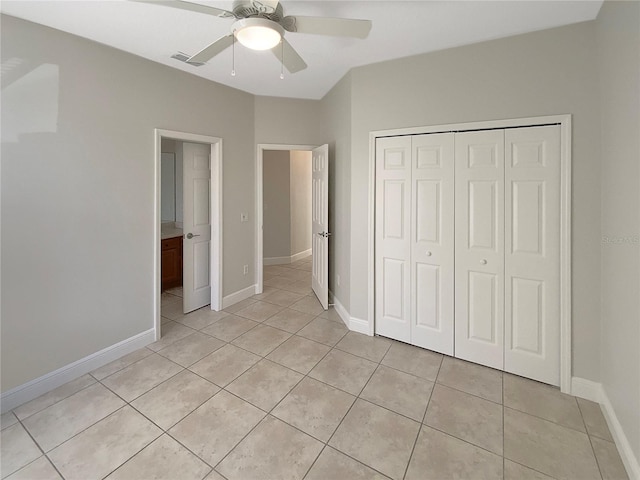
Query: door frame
x,y
259,250
565,216
215,256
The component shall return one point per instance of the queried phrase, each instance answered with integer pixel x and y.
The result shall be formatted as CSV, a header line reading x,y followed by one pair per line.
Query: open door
x,y
320,220
196,225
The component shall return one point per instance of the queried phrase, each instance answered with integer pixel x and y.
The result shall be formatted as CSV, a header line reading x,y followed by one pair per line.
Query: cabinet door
x,y
393,238
532,258
432,242
171,263
479,247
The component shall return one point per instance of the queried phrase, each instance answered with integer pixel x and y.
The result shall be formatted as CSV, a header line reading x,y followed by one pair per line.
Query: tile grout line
x,y
424,416
504,461
135,453
331,348
54,403
164,432
244,400
593,450
325,444
129,403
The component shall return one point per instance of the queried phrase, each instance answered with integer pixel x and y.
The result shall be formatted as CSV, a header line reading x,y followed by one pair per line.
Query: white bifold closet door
x,y
532,253
467,246
414,240
479,247
507,250
393,238
432,224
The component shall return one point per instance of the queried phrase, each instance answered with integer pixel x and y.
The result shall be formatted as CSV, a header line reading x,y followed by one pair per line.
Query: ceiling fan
x,y
261,25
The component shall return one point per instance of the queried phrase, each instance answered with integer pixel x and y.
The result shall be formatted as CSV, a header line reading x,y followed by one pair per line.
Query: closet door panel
x,y
479,247
432,238
393,238
532,259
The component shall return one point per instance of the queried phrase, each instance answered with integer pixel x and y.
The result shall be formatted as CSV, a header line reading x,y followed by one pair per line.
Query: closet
x,y
467,246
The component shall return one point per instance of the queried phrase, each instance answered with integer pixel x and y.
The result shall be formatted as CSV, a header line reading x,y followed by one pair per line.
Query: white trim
x,y
565,219
300,255
215,256
627,454
565,254
595,392
286,260
276,261
340,310
261,147
39,386
238,296
360,325
583,388
217,226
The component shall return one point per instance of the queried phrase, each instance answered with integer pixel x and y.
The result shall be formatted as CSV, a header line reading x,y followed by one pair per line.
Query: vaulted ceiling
x,y
400,29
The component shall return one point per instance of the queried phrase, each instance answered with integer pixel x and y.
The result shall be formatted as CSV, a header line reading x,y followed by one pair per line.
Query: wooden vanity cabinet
x,y
171,264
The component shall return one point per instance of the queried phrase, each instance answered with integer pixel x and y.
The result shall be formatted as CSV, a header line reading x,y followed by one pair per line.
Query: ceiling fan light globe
x,y
258,33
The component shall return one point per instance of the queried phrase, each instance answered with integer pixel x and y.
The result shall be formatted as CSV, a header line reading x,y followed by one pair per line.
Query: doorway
x,y
286,206
319,217
188,234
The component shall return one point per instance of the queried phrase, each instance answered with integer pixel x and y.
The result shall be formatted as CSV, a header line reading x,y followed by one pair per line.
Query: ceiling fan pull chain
x,y
282,59
233,56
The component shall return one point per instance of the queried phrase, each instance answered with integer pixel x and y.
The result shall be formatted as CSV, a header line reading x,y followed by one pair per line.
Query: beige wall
x,y
618,33
71,244
336,114
542,73
286,203
77,249
288,121
300,194
276,220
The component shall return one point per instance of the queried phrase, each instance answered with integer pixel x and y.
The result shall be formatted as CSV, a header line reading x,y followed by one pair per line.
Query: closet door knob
x,y
428,254
483,262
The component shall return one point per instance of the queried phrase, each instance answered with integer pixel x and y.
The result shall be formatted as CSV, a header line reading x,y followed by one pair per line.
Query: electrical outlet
x,y
244,217
245,269
338,279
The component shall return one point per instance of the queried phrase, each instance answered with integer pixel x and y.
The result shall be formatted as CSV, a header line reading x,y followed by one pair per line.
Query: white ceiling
x,y
400,29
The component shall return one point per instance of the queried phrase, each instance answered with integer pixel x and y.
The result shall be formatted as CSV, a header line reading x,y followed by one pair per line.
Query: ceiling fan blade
x,y
337,27
192,7
292,61
210,51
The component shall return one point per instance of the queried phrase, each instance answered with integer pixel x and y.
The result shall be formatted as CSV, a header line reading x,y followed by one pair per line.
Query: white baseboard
x,y
627,454
587,389
359,325
594,391
286,260
355,324
238,296
276,261
39,386
340,310
301,255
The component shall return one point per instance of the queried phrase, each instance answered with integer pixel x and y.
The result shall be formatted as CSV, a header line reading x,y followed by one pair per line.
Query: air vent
x,y
183,57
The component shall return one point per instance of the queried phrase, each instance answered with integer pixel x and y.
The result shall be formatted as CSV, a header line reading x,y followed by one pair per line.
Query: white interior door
x,y
320,224
393,238
432,239
532,253
196,225
479,247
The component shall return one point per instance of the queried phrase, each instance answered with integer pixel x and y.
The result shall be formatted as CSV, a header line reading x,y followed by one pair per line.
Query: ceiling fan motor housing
x,y
254,8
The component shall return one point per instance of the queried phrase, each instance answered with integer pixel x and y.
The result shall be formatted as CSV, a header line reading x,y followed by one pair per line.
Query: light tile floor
x,y
274,387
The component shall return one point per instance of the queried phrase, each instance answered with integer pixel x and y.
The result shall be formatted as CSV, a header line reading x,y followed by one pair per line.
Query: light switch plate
x,y
244,217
